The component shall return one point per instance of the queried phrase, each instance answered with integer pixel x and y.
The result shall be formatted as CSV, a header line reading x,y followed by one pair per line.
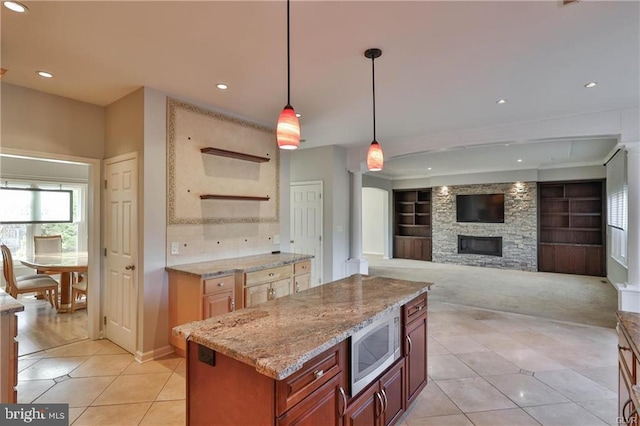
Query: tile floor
x,y
485,368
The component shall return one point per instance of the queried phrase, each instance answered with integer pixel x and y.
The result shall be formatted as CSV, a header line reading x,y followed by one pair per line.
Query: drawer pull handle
x,y
220,284
344,401
318,373
623,348
271,274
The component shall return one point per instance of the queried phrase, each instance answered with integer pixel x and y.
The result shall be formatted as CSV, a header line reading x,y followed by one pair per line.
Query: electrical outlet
x,y
174,248
276,239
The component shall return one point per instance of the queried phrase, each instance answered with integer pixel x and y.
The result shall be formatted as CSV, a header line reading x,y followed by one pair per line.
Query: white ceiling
x,y
444,64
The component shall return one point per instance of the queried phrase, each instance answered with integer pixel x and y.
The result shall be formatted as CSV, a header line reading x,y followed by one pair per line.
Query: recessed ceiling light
x,y
428,168
45,74
506,144
519,160
590,85
501,101
222,86
16,6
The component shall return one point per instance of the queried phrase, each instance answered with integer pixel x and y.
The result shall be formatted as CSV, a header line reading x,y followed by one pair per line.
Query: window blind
x,y
617,191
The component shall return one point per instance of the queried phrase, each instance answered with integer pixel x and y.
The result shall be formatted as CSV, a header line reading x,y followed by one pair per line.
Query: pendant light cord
x,y
373,78
288,61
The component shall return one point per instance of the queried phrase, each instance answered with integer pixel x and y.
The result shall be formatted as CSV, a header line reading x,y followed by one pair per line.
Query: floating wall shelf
x,y
232,197
232,154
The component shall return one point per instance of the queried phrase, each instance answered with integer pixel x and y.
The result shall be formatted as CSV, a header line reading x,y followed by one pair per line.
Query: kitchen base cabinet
x,y
416,347
312,395
628,369
192,299
9,357
382,403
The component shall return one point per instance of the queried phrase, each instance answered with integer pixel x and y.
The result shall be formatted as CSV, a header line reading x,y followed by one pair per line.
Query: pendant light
x,y
288,128
375,158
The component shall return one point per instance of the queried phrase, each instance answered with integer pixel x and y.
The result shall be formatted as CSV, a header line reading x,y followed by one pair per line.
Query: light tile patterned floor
x,y
486,368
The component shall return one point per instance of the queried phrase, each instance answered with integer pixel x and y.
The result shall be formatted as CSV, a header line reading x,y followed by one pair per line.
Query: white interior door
x,y
121,284
306,224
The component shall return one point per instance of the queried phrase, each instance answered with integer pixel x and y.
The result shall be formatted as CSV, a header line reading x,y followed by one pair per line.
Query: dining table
x,y
65,264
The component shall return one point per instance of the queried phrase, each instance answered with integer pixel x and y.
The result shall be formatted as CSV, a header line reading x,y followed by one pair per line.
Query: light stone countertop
x,y
215,268
279,336
8,304
631,322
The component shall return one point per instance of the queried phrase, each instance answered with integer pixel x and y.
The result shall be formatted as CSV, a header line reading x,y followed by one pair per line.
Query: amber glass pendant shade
x,y
375,158
288,129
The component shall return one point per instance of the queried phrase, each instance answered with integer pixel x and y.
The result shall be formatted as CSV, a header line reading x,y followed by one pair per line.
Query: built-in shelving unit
x,y
232,197
412,224
571,227
233,154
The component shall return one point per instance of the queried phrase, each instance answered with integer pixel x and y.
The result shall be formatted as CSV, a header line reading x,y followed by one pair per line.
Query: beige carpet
x,y
574,298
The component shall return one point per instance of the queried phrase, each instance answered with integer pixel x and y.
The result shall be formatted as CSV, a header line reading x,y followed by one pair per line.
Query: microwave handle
x,y
410,345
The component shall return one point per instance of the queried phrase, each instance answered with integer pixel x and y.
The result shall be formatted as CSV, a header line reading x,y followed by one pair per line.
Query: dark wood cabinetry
x,y
572,227
628,377
412,224
416,347
382,403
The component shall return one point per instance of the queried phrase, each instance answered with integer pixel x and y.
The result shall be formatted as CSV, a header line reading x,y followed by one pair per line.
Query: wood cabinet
x,y
628,378
302,276
571,224
415,313
382,403
8,356
412,224
271,283
192,299
314,395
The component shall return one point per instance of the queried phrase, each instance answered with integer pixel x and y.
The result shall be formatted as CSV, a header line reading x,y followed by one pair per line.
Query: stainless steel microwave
x,y
374,349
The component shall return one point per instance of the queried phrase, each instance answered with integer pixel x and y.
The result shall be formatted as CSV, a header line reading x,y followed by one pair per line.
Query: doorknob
x,y
130,267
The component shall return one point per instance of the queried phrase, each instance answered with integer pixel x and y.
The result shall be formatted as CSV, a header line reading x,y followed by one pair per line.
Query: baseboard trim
x,y
143,357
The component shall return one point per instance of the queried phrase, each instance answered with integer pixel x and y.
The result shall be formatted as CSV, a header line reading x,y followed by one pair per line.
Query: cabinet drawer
x,y
267,275
415,308
302,267
215,285
314,373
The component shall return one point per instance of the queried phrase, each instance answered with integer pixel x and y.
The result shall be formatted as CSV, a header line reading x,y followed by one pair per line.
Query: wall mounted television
x,y
481,208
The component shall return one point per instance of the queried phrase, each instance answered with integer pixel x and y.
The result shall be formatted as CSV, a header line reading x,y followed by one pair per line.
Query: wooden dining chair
x,y
28,283
78,290
47,244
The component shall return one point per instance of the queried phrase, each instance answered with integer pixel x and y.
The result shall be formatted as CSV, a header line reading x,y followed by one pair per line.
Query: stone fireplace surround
x,y
518,232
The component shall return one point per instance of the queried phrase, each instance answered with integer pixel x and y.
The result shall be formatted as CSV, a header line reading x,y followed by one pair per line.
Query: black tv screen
x,y
484,208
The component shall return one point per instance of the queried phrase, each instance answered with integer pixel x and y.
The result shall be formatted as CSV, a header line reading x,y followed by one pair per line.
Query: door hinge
x,y
105,252
104,320
319,237
105,184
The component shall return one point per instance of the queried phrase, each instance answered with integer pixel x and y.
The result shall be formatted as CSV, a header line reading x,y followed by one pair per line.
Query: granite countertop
x,y
215,268
8,304
631,323
279,336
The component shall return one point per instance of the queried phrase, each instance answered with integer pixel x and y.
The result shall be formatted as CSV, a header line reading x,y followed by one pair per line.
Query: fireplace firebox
x,y
490,246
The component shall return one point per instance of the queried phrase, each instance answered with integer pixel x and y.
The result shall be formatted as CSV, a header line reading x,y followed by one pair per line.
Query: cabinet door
x,y
281,288
217,304
422,249
392,386
257,294
416,358
365,409
302,282
323,407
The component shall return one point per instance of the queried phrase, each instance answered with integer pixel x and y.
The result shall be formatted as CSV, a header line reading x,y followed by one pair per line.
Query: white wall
x,y
375,221
39,122
328,164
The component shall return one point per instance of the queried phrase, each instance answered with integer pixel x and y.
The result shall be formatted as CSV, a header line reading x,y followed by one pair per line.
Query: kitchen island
x,y
286,361
628,367
9,307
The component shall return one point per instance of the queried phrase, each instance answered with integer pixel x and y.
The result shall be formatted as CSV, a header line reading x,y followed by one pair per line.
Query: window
x,y
617,206
19,237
